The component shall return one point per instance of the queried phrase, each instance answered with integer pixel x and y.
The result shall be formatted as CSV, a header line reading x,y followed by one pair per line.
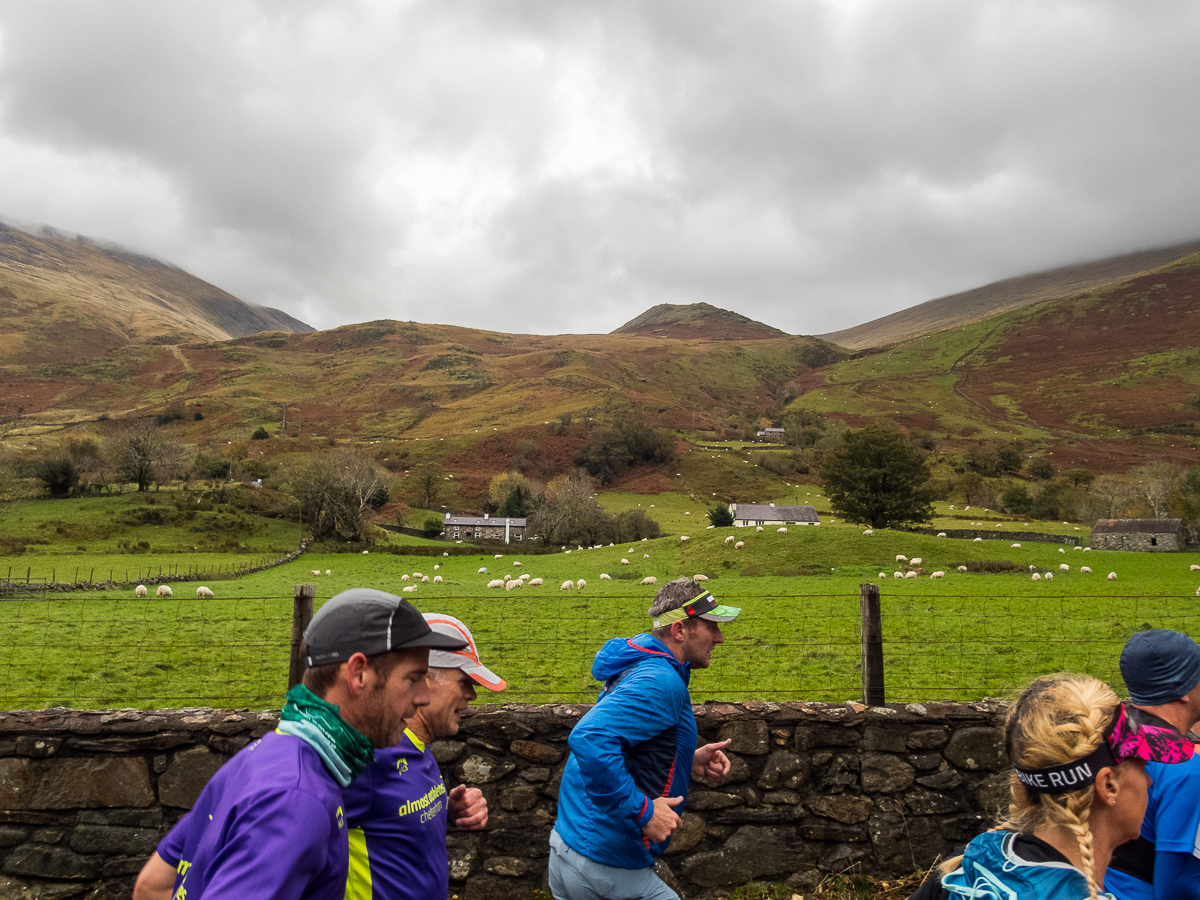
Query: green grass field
x,y
962,637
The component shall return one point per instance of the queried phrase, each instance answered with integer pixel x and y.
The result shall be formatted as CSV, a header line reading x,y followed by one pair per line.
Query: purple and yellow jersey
x,y
397,812
269,824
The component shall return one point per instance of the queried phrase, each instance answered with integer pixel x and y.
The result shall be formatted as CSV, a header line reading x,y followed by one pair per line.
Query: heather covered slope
x,y
66,298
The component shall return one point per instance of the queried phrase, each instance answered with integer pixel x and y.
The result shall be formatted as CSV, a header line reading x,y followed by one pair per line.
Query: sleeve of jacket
x,y
647,702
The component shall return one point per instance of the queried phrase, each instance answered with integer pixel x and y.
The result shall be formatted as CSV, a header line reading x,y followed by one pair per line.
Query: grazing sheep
x,y
202,591
1087,570
649,579
1061,550
915,561
1017,546
758,528
729,540
437,566
163,591
624,562
900,557
1036,577
962,568
445,553
525,576
604,577
329,571
508,578
1064,567
417,575
1087,549
580,584
1195,568
517,562
316,571
140,590
365,552
938,575
645,556
883,574
684,537
910,574
509,585
781,530
424,579
496,583
897,574
535,582
1032,568
1112,576
501,555
739,545
566,586
482,570
977,540
1049,576
869,532
437,579
404,578
699,578
409,589
941,534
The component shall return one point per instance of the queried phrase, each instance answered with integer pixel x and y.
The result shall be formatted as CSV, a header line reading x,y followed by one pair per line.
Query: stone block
x,y
926,803
535,775
781,769
665,873
538,754
48,835
994,794
496,724
508,866
842,775
964,826
51,861
782,798
902,843
31,784
519,798
116,866
883,773
37,747
512,840
496,747
187,774
944,779
476,769
446,752
701,799
133,818
463,849
977,748
752,852
751,738
486,886
828,830
889,740
926,738
809,737
842,857
17,889
11,835
925,761
845,808
689,833
114,840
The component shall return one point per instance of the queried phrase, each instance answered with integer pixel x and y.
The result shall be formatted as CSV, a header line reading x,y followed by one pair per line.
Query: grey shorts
x,y
575,877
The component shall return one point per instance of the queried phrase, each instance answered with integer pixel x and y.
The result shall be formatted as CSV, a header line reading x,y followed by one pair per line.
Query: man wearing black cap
x,y
1162,672
270,822
634,752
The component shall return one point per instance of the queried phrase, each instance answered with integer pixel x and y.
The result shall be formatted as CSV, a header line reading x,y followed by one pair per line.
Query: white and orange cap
x,y
467,658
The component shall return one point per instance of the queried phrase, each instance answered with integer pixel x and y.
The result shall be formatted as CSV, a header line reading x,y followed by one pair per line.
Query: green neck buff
x,y
344,751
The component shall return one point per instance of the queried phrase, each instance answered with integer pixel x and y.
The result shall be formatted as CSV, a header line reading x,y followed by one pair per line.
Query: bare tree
x,y
1156,482
429,482
144,453
338,492
568,511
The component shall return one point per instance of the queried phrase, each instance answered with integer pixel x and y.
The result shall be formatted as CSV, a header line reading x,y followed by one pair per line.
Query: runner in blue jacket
x,y
634,753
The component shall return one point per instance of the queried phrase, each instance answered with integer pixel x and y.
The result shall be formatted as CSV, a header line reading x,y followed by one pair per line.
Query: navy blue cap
x,y
1160,666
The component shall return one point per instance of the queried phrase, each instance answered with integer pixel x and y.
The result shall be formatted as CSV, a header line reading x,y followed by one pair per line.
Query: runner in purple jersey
x,y
270,823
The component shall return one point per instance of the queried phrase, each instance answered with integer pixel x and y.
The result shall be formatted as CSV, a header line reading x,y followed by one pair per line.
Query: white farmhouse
x,y
769,514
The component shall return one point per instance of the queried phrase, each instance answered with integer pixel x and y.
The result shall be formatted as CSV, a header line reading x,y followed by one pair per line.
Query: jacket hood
x,y
620,653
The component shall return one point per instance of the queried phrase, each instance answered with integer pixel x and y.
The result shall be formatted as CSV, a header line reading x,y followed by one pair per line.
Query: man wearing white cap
x,y
634,753
398,809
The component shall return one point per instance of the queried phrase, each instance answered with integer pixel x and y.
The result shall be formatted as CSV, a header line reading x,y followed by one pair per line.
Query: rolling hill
x,y
67,297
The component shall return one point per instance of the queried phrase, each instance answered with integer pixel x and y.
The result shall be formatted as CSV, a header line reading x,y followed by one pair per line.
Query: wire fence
x,y
152,653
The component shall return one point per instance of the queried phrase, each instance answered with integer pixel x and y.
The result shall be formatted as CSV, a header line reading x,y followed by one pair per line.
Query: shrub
x,y
432,527
261,434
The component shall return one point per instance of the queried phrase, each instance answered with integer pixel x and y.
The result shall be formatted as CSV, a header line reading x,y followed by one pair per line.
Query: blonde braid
x,y
1075,819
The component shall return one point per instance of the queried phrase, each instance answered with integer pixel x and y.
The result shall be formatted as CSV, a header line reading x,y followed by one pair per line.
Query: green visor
x,y
703,607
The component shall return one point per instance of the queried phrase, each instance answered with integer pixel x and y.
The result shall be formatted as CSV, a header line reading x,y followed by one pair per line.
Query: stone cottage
x,y
1147,535
752,514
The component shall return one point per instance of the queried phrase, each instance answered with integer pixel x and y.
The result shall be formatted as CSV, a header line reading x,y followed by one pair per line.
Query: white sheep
x,y
365,552
900,557
962,568
482,570
437,566
1036,577
1195,568
1064,567
1112,576
566,586
699,578
329,571
417,575
729,540
508,578
525,576
739,545
1198,592
1087,570
624,562
938,575
645,556
496,583
977,540
501,555
509,585
437,579
915,561
1032,567
910,574
897,574
424,579
684,537
758,528
445,553
649,579
1016,546
163,591
316,571
535,582
202,591
605,577
781,530
140,590
1061,550
580,584
517,562
1049,576
883,574
409,589
941,534
869,532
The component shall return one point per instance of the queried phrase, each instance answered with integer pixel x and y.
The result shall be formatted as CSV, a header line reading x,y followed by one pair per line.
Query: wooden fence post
x,y
302,613
872,644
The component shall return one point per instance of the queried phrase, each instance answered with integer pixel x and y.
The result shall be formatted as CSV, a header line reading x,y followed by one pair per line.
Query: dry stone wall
x,y
813,789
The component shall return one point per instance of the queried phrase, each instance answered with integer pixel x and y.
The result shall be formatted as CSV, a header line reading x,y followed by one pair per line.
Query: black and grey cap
x,y
367,621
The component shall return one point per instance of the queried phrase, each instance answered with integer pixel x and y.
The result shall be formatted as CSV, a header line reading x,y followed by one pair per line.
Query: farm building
x,y
769,514
771,434
1148,535
504,530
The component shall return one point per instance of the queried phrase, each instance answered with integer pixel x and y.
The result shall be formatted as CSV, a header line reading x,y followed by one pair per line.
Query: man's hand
x,y
467,808
665,819
709,762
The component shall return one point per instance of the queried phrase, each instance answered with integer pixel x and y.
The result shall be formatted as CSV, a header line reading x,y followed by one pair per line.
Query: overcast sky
x,y
552,166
